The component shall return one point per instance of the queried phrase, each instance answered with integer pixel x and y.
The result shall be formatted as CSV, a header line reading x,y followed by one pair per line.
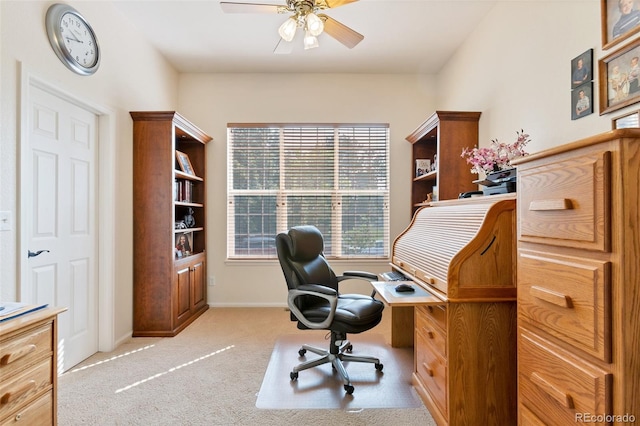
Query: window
x,y
335,177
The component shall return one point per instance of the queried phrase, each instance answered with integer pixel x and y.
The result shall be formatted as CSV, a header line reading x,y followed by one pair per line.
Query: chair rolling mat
x,y
320,387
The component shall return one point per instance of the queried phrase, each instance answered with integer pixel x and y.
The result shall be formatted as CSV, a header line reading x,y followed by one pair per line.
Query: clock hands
x,y
74,37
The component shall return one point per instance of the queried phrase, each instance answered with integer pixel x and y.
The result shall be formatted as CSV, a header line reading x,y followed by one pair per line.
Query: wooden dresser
x,y
461,256
28,374
579,282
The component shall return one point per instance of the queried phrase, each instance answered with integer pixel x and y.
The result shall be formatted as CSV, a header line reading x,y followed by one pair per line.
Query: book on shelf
x,y
183,191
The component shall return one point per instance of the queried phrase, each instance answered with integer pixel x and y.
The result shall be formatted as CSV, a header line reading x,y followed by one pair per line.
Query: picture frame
x,y
184,163
619,74
183,244
582,101
626,121
582,68
620,19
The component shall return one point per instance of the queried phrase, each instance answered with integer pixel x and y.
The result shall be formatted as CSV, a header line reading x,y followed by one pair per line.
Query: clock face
x,y
72,39
79,40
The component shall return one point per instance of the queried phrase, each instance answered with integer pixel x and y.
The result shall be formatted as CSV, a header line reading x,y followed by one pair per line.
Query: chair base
x,y
335,356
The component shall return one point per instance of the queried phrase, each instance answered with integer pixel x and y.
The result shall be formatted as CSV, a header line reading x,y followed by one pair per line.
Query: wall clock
x,y
73,39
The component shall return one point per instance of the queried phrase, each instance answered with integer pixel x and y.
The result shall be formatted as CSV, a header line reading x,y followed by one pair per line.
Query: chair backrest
x,y
300,255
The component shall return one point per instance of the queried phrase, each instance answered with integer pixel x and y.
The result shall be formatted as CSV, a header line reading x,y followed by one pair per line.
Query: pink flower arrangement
x,y
497,157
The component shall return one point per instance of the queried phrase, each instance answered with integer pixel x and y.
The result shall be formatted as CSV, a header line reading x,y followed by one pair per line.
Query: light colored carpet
x,y
320,387
210,374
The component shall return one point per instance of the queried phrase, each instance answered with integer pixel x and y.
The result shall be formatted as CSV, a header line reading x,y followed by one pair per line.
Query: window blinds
x,y
335,177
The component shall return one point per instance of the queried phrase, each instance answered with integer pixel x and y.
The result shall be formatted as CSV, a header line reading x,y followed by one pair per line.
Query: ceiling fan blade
x,y
336,3
341,32
283,47
233,7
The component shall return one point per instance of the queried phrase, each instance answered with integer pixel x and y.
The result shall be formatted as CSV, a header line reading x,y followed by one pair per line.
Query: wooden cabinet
x,y
579,282
28,373
443,136
191,286
169,223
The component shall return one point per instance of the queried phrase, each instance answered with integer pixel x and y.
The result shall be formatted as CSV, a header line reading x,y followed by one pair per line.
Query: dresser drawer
x,y
435,314
22,388
527,418
24,349
432,335
431,369
569,298
556,385
39,412
565,202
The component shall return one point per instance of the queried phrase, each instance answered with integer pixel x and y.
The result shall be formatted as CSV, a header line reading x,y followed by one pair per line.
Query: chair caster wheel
x,y
349,389
301,352
349,348
293,375
379,366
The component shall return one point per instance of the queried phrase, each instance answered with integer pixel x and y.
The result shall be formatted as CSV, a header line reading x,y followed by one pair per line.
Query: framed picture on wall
x,y
582,69
620,20
626,121
619,73
581,104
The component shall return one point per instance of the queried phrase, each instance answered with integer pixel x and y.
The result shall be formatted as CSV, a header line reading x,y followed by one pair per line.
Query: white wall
x,y
212,101
516,68
132,76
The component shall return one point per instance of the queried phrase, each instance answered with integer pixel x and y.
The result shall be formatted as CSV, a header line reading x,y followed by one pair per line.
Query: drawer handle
x,y
551,296
16,355
563,398
426,278
428,369
545,205
12,395
430,334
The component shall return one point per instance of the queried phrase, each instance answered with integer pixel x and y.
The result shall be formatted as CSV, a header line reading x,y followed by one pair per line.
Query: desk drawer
x,y
431,369
22,388
436,314
24,349
569,298
556,385
432,335
566,202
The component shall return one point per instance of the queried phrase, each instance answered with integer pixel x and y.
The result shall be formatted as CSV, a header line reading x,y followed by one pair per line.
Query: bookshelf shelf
x,y
433,175
182,175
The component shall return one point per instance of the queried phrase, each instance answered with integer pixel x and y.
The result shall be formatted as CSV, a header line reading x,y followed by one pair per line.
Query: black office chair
x,y
315,302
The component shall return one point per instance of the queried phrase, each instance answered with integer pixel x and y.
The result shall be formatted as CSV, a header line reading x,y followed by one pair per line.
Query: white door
x,y
60,218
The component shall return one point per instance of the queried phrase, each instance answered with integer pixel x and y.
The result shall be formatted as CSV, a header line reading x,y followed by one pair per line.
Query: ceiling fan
x,y
305,14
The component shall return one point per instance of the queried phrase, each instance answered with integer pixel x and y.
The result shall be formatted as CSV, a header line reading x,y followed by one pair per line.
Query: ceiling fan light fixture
x,y
288,29
314,24
310,41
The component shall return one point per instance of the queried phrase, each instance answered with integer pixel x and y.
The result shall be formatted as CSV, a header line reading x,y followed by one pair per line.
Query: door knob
x,y
37,253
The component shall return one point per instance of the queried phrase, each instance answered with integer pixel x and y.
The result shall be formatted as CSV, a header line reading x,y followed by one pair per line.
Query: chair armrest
x,y
316,290
360,274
